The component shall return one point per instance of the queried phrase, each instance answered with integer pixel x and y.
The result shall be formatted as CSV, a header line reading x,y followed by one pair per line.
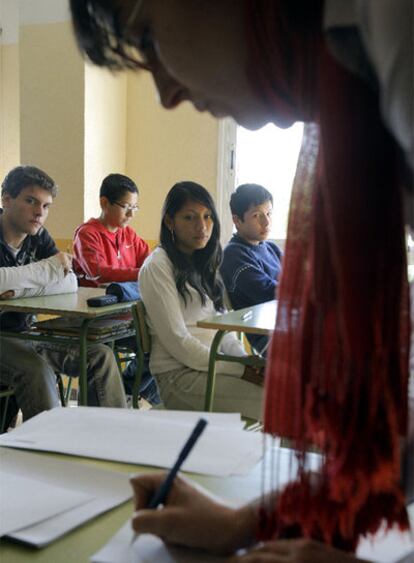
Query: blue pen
x,y
161,494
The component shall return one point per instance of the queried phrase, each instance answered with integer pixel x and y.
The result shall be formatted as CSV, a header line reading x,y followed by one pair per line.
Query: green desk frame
x,y
259,319
53,305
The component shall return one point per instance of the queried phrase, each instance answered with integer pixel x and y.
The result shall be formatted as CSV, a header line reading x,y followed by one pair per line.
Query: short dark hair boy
x,y
251,264
246,196
114,186
23,176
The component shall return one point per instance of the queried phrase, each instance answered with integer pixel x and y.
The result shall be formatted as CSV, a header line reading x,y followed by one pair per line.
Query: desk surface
x,y
80,544
260,321
68,304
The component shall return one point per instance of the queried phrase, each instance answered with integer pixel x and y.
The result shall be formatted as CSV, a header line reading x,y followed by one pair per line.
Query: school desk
x,y
80,544
72,305
259,319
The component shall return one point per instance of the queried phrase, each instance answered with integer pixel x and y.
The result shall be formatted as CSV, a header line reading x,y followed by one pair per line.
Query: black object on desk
x,y
102,301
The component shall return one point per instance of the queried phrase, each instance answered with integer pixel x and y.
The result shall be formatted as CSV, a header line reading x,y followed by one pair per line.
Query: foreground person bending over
x,y
338,363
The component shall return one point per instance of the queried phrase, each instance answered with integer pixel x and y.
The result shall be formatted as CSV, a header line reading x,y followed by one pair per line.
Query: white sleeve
x,y
387,32
162,304
34,275
69,284
231,345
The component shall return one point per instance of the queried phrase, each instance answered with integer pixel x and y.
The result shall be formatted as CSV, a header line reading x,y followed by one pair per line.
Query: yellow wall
x,y
105,131
52,116
80,123
9,108
163,148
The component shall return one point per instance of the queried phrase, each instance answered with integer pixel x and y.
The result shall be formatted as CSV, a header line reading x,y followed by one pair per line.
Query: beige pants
x,y
184,389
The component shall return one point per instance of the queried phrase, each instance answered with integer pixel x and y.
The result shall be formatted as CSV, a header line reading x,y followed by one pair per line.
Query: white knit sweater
x,y
176,340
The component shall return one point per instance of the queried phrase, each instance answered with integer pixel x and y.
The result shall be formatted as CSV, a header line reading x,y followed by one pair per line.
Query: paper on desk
x,y
25,501
106,489
388,546
147,549
157,438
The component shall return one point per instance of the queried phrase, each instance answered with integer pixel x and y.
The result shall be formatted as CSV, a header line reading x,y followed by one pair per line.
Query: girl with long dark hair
x,y
179,286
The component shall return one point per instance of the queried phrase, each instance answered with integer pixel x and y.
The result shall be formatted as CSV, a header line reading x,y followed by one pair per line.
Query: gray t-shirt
x,y
374,38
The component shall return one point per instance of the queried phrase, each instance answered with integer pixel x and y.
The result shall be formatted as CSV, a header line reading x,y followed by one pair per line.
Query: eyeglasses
x,y
127,208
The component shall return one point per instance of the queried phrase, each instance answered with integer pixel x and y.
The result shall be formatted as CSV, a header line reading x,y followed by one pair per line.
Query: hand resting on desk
x,y
7,294
195,519
191,517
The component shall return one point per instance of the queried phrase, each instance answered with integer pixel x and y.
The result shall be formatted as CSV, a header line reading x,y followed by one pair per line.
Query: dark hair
x,y
114,186
99,34
24,176
200,269
246,196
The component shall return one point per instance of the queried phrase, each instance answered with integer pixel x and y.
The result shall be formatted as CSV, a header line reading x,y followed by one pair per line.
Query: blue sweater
x,y
250,274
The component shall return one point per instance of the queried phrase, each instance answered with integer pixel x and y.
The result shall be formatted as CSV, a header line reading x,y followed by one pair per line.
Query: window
x,y
269,157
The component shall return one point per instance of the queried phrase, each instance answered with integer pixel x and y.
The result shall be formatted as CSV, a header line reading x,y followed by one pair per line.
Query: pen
x,y
161,494
247,316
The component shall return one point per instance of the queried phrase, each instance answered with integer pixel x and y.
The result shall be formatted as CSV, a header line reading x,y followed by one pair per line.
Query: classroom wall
x,y
105,131
164,147
52,116
80,123
9,86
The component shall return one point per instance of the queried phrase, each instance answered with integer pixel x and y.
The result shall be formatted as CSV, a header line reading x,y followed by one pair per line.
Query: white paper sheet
x,y
147,549
25,501
141,438
105,489
389,547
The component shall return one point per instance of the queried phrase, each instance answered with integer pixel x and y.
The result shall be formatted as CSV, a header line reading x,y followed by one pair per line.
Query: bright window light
x,y
269,157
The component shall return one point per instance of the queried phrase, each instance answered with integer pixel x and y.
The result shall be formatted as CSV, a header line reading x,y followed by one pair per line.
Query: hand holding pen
x,y
160,495
191,516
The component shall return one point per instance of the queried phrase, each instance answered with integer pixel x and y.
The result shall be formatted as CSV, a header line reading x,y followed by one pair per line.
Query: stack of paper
x,y
147,438
42,498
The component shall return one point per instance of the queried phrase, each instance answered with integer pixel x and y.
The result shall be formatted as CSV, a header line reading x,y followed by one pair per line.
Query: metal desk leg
x,y
83,365
140,357
211,376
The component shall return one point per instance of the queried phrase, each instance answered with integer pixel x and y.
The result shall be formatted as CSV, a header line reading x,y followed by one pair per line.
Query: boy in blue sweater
x,y
251,264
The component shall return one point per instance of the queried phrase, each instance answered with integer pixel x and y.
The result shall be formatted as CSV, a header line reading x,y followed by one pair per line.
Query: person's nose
x,y
39,211
265,221
171,92
202,225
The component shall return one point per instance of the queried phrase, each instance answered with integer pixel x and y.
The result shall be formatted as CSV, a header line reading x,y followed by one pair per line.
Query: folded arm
x,y
69,284
32,276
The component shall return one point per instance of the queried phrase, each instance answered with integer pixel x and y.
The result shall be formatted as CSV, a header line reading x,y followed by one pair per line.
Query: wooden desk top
x,y
67,304
259,319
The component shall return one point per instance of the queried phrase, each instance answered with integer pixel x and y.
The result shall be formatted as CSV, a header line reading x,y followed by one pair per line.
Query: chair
x,y
6,393
143,347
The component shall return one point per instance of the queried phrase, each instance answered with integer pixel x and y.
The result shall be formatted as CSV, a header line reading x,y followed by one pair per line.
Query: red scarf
x,y
337,373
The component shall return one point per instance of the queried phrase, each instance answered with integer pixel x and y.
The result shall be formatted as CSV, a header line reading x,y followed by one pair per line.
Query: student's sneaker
x,y
142,403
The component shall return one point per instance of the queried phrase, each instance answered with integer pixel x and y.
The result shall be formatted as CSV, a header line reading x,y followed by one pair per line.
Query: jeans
x,y
148,388
31,368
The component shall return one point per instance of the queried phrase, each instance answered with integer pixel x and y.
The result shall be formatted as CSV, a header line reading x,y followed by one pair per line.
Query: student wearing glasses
x,y
106,249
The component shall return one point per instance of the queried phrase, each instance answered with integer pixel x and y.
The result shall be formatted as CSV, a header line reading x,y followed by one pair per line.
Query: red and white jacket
x,y
101,256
